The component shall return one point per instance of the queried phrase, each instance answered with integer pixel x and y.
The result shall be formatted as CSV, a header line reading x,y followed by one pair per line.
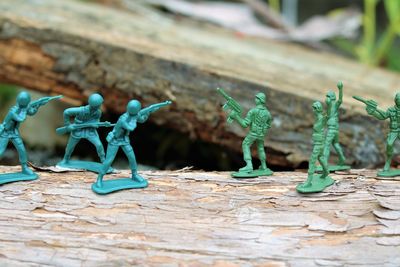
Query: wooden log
x,y
192,218
75,48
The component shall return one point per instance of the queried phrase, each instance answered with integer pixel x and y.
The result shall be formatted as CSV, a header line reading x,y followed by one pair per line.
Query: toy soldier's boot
x,y
26,169
99,181
248,167
389,155
136,177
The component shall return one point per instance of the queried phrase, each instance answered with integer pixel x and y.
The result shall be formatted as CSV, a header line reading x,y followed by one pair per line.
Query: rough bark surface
x,y
200,219
75,48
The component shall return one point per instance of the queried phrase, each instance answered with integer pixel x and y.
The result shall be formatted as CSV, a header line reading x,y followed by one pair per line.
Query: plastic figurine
x,y
86,122
317,183
9,131
332,134
119,138
259,120
393,114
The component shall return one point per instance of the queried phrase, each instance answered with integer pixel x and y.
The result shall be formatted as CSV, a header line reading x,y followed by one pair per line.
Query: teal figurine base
x,y
83,165
389,173
318,184
117,185
333,168
17,177
252,174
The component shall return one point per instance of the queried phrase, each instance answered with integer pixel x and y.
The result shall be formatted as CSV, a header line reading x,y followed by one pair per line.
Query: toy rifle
x,y
152,108
43,101
371,104
77,126
230,104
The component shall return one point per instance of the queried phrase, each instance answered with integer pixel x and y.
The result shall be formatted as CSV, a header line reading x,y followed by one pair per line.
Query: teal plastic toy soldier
x,y
332,134
119,138
317,183
85,124
259,121
393,114
9,132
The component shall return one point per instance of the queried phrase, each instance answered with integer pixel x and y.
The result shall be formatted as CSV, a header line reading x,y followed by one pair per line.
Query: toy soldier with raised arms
x,y
393,114
332,134
317,183
9,131
119,138
259,121
86,120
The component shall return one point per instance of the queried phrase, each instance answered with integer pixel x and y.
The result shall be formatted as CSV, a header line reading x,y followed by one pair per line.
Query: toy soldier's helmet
x,y
397,99
261,97
23,99
331,95
95,100
133,107
317,106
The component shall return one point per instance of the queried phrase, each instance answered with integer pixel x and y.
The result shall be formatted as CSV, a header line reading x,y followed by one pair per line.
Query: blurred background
x,y
366,31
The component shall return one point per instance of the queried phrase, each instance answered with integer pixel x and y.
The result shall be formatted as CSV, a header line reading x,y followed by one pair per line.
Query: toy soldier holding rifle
x,y
259,121
9,131
86,120
119,138
393,114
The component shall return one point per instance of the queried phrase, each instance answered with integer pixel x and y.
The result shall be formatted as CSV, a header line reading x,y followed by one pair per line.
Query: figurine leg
x,y
261,154
389,150
23,157
99,147
128,150
330,135
3,145
338,149
111,153
324,165
72,142
247,142
311,166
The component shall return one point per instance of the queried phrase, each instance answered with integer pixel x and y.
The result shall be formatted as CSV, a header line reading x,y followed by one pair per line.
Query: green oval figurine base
x,y
389,173
17,177
317,185
117,185
252,174
81,165
333,168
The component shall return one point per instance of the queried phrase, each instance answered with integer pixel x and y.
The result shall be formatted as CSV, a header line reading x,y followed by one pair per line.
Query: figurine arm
x,y
243,122
340,100
68,113
377,113
32,111
15,116
142,118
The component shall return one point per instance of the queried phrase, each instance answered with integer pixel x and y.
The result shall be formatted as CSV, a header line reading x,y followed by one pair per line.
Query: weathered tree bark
x,y
76,48
200,219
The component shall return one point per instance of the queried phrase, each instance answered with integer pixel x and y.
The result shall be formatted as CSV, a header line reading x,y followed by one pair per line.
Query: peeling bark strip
x,y
75,48
200,219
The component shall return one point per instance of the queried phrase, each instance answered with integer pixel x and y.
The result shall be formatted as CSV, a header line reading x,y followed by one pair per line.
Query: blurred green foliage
x,y
377,49
7,92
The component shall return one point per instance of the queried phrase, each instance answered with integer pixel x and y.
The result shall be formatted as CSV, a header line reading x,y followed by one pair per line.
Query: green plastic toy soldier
x,y
317,183
9,132
259,121
332,134
119,138
393,114
86,121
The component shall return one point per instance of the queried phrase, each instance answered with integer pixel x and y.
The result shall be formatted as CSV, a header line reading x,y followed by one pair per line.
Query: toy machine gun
x,y
371,104
77,126
231,104
152,108
43,101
